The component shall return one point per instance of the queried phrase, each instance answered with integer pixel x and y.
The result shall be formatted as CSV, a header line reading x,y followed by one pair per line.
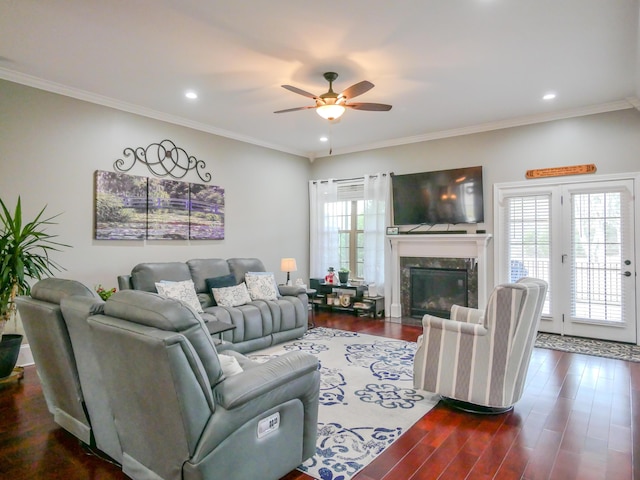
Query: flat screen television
x,y
445,196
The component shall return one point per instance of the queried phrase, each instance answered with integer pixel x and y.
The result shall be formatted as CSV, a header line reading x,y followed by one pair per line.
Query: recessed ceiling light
x,y
324,139
191,95
549,96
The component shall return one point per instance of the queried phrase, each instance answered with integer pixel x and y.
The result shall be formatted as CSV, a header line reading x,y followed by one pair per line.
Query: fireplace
x,y
435,290
447,272
454,251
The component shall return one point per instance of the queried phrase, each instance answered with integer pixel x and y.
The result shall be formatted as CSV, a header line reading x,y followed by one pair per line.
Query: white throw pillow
x,y
229,365
268,274
184,291
261,286
231,296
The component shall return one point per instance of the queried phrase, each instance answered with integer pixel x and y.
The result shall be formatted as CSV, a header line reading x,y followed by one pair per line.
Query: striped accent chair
x,y
478,361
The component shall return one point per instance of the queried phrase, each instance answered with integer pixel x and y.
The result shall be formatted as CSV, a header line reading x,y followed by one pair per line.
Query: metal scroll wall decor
x,y
163,159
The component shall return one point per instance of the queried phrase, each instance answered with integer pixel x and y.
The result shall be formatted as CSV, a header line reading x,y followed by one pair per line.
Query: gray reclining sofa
x,y
139,378
180,415
258,323
55,322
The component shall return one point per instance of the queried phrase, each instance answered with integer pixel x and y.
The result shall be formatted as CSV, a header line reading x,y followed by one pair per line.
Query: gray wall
x,y
51,145
609,140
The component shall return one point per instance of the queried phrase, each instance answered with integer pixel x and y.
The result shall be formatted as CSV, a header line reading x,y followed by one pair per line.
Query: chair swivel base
x,y
473,408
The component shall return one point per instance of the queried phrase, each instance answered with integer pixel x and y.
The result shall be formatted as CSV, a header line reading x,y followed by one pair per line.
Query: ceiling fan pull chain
x,y
330,138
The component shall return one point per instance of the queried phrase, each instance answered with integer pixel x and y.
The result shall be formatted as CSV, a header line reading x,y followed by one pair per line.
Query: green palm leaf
x,y
24,254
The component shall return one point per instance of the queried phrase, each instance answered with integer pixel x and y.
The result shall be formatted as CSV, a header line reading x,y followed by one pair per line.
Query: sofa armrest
x,y
239,389
429,321
124,282
291,290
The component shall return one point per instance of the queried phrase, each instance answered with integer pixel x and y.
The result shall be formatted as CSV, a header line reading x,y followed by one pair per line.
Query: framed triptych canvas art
x,y
129,207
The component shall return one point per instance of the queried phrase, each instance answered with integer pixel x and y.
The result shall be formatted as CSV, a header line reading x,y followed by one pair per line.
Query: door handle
x,y
627,274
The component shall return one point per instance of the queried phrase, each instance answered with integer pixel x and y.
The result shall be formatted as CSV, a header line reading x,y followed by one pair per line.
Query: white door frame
x,y
499,261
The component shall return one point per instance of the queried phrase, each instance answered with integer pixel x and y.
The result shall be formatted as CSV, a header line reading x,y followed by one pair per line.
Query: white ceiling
x,y
446,66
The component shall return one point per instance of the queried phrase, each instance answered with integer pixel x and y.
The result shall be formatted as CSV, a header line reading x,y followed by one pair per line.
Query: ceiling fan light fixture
x,y
330,112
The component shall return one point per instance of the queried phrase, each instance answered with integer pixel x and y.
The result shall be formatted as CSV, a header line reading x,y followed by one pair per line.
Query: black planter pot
x,y
344,277
9,351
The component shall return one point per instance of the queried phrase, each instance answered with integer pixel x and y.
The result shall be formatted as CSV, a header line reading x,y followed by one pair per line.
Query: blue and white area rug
x,y
367,398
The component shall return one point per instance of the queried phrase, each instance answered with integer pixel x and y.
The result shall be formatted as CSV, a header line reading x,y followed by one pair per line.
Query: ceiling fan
x,y
332,105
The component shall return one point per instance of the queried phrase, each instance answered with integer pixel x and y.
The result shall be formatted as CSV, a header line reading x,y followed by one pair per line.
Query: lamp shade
x,y
330,112
288,265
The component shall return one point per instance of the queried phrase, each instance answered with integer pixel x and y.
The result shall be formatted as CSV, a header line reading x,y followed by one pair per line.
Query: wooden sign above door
x,y
561,171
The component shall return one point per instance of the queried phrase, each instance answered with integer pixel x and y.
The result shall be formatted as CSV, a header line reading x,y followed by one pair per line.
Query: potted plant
x,y
24,255
343,275
104,293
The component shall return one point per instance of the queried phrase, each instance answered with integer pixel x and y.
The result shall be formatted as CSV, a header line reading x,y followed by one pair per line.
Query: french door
x,y
580,238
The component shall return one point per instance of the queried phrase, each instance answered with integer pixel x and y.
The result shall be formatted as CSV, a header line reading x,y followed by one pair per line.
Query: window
x,y
351,237
347,226
348,215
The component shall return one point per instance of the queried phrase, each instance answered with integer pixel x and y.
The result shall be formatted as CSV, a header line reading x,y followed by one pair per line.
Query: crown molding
x,y
53,87
39,83
625,104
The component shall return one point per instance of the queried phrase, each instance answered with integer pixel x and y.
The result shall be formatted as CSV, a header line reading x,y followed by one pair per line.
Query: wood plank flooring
x,y
578,419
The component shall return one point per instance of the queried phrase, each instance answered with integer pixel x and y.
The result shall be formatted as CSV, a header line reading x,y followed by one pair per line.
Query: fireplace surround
x,y
468,251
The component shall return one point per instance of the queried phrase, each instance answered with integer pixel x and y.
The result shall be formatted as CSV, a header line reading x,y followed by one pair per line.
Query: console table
x,y
348,298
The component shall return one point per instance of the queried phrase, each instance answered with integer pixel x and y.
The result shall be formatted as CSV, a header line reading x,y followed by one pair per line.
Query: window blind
x,y
528,222
351,191
597,255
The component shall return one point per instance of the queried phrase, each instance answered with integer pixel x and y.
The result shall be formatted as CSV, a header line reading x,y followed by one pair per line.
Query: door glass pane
x,y
529,228
597,256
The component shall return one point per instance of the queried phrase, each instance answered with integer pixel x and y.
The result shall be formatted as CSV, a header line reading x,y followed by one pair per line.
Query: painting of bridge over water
x,y
130,207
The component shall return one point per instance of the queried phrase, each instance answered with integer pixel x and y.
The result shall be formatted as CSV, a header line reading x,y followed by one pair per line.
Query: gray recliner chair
x,y
179,416
65,364
75,311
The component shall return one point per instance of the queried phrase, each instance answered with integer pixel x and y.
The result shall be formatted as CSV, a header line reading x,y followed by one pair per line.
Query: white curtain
x,y
323,230
377,216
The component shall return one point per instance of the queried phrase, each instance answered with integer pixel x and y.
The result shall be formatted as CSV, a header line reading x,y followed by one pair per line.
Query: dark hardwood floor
x,y
578,419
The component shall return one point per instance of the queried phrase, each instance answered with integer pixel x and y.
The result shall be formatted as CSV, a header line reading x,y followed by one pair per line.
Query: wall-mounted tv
x,y
441,197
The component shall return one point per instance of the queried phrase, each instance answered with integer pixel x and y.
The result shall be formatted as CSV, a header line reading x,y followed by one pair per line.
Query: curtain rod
x,y
351,179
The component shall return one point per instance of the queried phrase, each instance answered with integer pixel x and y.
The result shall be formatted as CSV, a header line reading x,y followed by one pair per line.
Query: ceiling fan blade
x,y
357,89
299,91
373,107
294,109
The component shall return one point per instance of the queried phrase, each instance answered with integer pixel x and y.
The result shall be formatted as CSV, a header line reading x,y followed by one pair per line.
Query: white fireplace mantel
x,y
437,245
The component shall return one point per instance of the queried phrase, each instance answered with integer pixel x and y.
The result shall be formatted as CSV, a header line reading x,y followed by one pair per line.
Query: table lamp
x,y
288,265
